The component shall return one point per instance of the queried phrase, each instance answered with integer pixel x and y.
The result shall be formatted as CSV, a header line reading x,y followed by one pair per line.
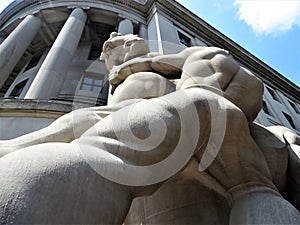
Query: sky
x,y
269,29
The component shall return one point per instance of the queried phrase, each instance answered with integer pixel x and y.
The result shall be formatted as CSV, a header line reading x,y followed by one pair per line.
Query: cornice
x,y
28,6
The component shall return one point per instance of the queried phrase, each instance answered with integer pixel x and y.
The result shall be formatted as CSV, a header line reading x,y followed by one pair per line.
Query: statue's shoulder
x,y
203,52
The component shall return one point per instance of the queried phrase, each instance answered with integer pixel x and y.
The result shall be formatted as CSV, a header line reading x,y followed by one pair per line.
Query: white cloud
x,y
269,16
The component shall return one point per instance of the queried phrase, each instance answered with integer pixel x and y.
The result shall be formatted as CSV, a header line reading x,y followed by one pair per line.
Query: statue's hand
x,y
113,73
119,73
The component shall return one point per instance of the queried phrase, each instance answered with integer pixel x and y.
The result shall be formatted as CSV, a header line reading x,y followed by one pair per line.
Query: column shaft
x,y
50,77
14,46
125,27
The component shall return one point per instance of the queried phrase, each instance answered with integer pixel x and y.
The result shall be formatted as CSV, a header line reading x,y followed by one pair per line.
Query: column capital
x,y
124,17
79,14
83,7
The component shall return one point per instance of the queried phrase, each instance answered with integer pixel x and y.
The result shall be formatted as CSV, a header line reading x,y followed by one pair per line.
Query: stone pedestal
x,y
182,200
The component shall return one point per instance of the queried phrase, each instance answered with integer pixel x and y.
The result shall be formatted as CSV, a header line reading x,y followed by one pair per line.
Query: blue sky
x,y
269,29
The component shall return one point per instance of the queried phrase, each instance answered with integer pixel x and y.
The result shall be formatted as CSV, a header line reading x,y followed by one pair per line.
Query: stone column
x,y
143,32
125,27
14,46
50,77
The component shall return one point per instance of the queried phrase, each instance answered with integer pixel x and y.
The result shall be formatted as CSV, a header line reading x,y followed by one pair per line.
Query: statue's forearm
x,y
119,73
169,66
64,129
59,131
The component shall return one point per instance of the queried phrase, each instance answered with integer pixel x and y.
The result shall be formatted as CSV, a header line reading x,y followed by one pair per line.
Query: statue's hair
x,y
116,40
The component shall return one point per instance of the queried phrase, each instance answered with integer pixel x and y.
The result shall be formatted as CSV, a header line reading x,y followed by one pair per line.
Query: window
x,y
95,51
266,109
273,94
294,107
33,62
91,84
289,118
16,92
184,40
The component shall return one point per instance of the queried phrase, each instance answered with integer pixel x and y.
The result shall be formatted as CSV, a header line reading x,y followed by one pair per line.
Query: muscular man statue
x,y
88,165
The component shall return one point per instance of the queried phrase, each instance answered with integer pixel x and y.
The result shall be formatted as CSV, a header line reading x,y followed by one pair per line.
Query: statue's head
x,y
121,48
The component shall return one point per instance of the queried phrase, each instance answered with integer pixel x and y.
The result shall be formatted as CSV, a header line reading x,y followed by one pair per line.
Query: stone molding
x,y
7,106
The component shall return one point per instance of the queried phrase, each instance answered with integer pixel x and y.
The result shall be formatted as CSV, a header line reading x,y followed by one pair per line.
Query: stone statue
x,y
89,165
